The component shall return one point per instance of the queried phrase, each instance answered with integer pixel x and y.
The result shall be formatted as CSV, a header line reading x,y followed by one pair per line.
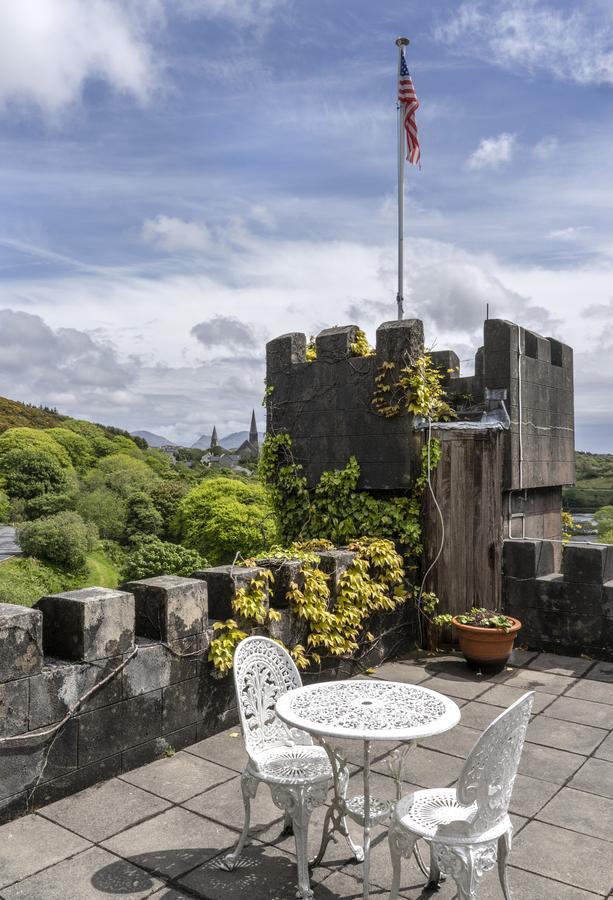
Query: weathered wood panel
x,y
467,486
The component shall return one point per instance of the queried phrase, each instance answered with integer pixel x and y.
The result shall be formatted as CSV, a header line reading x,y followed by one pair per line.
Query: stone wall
x,y
566,611
326,405
154,636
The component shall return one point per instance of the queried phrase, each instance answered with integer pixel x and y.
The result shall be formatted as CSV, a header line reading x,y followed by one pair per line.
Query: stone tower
x,y
253,431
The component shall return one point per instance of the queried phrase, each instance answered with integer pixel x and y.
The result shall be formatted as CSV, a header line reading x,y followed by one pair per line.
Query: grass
x,y
589,494
24,580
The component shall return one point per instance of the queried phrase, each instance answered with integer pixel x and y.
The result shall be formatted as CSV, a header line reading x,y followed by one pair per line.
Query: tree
x,y
123,475
31,471
142,518
48,504
224,516
154,557
78,447
20,439
166,497
63,539
5,508
106,510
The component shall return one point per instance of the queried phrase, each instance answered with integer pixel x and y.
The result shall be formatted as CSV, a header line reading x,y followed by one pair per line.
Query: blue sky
x,y
184,179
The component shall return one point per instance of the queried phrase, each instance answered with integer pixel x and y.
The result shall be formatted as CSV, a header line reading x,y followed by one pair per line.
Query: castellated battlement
x,y
326,405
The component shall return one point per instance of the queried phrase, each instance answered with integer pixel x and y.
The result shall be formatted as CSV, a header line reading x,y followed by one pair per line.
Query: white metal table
x,y
367,711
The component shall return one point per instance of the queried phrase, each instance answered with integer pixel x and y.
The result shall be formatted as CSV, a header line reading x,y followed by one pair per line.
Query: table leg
x,y
366,865
335,820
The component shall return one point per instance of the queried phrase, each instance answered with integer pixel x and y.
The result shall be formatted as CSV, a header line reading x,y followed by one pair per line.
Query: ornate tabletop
x,y
368,710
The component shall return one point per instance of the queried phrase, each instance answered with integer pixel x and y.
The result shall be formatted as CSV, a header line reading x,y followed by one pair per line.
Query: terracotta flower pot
x,y
486,648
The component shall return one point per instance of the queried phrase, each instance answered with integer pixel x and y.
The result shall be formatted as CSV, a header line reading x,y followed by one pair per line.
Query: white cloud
x,y
546,147
493,152
573,44
49,48
225,331
568,234
175,235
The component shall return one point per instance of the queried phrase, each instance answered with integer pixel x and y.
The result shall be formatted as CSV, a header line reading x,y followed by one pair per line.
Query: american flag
x,y
408,102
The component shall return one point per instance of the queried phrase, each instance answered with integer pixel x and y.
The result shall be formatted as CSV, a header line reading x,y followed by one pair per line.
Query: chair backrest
x,y
489,772
263,671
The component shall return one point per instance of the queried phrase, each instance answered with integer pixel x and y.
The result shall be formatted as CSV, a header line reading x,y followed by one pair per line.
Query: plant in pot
x,y
486,637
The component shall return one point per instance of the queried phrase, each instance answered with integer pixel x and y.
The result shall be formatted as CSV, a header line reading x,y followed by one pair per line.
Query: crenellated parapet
x,y
326,405
567,611
137,659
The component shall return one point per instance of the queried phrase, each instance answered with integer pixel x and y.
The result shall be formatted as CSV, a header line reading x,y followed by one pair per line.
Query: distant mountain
x,y
229,442
154,440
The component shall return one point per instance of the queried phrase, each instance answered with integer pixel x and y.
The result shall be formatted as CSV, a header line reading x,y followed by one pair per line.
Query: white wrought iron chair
x,y
468,827
298,773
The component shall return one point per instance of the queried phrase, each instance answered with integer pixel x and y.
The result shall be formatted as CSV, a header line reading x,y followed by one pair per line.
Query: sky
x,y
183,180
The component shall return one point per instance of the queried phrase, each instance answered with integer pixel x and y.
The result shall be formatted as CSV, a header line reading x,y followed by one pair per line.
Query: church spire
x,y
214,441
253,431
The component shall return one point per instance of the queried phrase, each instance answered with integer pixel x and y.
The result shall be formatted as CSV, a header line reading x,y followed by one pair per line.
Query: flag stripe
x,y
409,104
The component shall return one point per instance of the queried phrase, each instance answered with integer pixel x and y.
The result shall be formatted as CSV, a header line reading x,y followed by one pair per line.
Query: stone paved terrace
x,y
159,831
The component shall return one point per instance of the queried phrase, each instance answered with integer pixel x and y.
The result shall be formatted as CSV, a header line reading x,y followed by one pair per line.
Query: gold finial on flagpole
x,y
402,42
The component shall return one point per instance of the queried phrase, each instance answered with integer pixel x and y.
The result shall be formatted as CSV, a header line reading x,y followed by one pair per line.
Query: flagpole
x,y
401,42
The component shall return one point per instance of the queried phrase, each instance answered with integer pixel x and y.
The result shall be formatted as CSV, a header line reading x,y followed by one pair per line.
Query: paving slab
x,y
532,680
582,812
505,695
478,715
583,711
605,751
227,747
589,689
602,671
263,873
575,859
397,671
427,768
456,687
104,809
224,804
561,665
458,741
549,764
179,777
91,875
530,795
30,844
594,776
171,843
565,735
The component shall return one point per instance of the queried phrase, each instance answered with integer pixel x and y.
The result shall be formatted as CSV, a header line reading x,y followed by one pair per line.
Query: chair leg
x,y
435,871
249,788
466,864
299,801
504,848
401,843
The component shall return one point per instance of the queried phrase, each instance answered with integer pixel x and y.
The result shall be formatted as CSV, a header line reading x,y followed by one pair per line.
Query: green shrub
x,y
48,505
142,518
29,471
224,516
24,581
166,497
78,447
106,510
123,475
63,539
154,557
33,440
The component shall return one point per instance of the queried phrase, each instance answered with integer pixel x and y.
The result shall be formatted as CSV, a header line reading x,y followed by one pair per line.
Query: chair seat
x,y
424,811
299,764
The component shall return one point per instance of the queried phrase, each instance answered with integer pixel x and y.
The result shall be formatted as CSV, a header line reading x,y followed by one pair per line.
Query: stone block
x,y
582,598
158,748
156,665
21,641
222,583
89,624
289,629
106,731
527,559
592,565
607,600
169,607
61,684
447,362
549,587
77,780
333,563
37,758
285,571
14,707
285,351
334,344
184,703
400,341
